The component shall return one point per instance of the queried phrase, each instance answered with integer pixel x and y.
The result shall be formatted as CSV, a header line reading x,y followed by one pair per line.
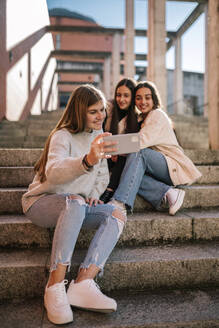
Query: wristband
x,y
87,166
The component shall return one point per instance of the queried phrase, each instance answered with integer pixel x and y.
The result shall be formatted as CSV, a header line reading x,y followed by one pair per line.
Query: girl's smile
x,y
143,100
123,97
95,116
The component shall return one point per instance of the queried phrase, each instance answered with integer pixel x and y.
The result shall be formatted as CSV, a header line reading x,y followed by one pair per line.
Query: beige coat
x,y
157,133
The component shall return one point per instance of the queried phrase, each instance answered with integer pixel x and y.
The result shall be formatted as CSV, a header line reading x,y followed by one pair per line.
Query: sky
x,y
112,14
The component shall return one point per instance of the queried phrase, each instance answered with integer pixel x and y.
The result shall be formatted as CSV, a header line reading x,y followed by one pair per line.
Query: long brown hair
x,y
155,97
154,91
131,122
73,119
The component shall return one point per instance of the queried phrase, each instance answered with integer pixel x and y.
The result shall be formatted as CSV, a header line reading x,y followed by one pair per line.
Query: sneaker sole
x,y
94,310
178,204
57,320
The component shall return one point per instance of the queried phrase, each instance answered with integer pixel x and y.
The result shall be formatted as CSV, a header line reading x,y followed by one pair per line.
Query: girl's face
x,y
143,100
123,97
95,116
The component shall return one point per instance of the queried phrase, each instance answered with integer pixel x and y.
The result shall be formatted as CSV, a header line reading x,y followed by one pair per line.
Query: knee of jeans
x,y
117,214
133,155
145,151
78,198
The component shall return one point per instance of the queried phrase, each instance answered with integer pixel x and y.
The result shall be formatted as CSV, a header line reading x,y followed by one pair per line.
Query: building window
x,y
192,105
58,41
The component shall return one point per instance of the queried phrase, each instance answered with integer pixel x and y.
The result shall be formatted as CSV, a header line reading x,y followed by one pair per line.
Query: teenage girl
x,y
161,165
121,118
71,174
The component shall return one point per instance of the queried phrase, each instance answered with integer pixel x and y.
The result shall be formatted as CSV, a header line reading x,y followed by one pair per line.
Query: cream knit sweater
x,y
65,172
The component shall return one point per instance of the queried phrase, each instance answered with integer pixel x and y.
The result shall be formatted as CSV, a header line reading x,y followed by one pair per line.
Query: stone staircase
x,y
30,133
164,271
192,131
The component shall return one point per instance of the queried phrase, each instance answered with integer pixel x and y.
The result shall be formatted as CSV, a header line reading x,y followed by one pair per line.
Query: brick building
x,y
72,66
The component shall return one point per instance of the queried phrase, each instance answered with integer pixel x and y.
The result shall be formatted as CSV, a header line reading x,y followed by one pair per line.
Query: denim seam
x,y
94,251
92,258
54,257
133,180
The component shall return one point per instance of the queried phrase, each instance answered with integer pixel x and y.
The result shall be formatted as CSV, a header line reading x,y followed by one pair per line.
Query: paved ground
x,y
163,309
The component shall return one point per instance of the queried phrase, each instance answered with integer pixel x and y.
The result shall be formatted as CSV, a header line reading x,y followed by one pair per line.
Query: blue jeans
x,y
69,216
145,173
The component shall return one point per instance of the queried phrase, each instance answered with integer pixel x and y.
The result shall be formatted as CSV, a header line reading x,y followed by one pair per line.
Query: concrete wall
x,y
23,18
193,89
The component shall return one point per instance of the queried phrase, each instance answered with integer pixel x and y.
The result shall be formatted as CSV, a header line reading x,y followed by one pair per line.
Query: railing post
x,y
4,60
213,73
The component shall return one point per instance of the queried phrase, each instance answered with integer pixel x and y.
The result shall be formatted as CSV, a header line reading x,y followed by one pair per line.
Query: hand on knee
x,y
78,198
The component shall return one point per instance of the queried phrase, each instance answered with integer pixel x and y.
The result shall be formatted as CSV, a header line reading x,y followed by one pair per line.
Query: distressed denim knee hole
x,y
117,214
120,218
77,198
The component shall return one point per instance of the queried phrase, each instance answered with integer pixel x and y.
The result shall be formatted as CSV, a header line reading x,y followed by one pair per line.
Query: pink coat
x,y
157,133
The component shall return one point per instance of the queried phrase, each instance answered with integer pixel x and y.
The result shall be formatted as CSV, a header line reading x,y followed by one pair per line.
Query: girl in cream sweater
x,y
70,176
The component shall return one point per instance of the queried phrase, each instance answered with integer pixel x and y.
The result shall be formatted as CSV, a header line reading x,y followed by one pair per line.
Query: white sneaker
x,y
57,305
87,295
175,199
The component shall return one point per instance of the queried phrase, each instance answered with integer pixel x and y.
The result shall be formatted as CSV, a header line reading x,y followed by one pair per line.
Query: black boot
x,y
106,196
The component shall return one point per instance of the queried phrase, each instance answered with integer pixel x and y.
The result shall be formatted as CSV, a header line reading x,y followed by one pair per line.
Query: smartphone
x,y
126,143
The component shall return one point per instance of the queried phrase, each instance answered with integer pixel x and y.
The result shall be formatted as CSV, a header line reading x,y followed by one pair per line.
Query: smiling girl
x,y
161,165
71,174
121,118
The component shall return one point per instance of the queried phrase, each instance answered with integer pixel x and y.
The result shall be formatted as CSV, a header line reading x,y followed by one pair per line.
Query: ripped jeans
x,y
69,216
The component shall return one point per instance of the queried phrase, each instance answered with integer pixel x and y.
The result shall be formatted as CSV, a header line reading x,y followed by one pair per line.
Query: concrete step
x,y
19,157
10,138
23,273
7,125
191,308
150,228
203,157
54,114
197,196
191,131
12,132
16,176
44,117
39,129
20,139
32,126
22,176
10,200
32,129
28,157
210,174
23,144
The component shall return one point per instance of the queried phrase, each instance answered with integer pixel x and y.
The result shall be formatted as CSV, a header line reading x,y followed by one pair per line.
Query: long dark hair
x,y
155,97
131,122
73,119
154,91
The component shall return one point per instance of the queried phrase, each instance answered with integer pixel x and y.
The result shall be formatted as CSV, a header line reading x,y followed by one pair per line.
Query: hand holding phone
x,y
126,143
